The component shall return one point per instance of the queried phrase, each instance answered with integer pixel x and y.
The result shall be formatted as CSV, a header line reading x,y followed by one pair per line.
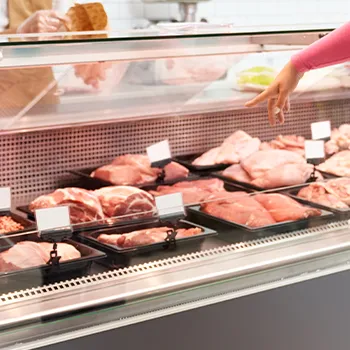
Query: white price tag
x,y
159,151
53,218
5,198
170,204
321,130
314,149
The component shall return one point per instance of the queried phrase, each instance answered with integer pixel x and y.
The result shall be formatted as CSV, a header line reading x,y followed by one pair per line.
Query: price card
x,y
314,149
54,222
321,130
5,198
159,154
170,205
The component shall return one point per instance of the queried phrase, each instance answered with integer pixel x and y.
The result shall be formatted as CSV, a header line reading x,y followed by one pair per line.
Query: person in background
x,y
332,49
20,86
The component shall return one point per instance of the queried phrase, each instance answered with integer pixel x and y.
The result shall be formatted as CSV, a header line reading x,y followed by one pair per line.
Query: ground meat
x,y
7,224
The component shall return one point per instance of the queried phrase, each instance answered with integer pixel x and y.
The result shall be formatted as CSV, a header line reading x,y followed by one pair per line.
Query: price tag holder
x,y
5,199
321,130
54,224
170,205
314,151
159,154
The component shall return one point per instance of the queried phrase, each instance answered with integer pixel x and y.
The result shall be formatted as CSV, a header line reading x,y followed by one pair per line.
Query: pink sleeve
x,y
332,49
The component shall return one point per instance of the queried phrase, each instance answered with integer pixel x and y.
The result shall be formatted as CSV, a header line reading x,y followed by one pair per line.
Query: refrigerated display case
x,y
282,283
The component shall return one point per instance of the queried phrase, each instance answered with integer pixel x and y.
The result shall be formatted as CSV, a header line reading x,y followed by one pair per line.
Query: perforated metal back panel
x,y
37,162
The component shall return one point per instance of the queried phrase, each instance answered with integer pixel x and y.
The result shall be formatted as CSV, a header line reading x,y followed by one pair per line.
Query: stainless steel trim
x,y
172,274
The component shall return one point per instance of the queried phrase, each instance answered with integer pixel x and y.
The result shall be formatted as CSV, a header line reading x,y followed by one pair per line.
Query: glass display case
x,y
233,208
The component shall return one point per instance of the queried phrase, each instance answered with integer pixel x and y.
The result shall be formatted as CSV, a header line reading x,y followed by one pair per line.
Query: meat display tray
x,y
121,257
91,183
340,213
41,275
264,231
187,160
256,188
88,226
27,224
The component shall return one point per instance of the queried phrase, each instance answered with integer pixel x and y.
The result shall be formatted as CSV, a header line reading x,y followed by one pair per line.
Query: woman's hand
x,y
92,74
44,21
277,94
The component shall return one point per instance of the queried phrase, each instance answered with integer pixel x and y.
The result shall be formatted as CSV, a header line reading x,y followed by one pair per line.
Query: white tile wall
x,y
128,13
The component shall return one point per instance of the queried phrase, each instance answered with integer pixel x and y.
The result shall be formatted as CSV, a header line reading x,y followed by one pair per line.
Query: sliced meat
x,y
120,174
64,250
238,136
211,185
262,161
84,205
175,171
317,193
8,225
207,158
283,208
245,211
138,161
109,239
339,164
340,188
118,201
227,154
237,173
227,196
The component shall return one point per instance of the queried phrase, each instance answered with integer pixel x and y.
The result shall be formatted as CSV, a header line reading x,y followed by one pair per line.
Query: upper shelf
x,y
154,43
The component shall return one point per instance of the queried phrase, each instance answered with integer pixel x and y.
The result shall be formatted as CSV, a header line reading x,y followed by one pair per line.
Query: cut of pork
x,y
120,174
84,205
339,164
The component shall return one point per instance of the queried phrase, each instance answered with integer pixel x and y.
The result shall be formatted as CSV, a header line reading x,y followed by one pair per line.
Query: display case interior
x,y
69,139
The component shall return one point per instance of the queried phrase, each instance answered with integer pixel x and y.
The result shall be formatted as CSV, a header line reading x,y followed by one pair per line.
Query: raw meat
x,y
193,192
340,140
227,196
120,174
283,208
292,143
284,175
127,201
138,161
234,149
207,158
340,188
84,205
175,171
7,225
145,237
30,254
245,210
317,193
338,164
260,162
237,173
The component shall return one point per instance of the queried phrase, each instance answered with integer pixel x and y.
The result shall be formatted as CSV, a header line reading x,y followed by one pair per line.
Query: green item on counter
x,y
257,76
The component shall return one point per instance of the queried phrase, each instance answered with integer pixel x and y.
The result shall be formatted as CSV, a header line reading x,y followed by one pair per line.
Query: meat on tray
x,y
340,140
233,150
118,201
146,236
292,143
259,210
31,254
84,205
193,192
334,193
8,225
135,169
271,169
338,164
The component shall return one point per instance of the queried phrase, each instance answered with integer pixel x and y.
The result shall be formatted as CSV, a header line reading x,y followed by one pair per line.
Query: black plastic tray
x,y
281,227
340,213
121,257
256,188
88,226
26,223
187,160
41,275
91,183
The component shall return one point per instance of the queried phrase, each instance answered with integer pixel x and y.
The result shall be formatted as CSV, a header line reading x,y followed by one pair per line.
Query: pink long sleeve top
x,y
332,49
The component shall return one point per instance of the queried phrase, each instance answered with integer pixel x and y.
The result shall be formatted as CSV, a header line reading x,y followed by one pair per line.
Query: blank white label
x,y
159,151
53,218
170,204
5,198
314,149
321,130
